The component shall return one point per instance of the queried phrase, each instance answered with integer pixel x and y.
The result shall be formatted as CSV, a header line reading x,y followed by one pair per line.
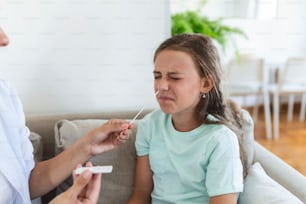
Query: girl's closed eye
x,y
170,76
157,76
175,78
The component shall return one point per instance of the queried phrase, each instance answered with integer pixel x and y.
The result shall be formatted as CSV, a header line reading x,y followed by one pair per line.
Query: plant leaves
x,y
193,22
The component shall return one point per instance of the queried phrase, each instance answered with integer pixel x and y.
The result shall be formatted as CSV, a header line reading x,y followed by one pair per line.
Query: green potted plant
x,y
193,22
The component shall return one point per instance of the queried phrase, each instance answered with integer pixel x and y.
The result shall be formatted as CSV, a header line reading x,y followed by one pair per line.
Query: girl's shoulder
x,y
155,115
156,118
220,132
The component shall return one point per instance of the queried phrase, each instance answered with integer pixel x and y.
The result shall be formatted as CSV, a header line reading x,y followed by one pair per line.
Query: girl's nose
x,y
162,85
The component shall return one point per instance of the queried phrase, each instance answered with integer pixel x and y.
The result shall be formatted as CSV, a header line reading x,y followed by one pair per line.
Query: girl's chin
x,y
166,109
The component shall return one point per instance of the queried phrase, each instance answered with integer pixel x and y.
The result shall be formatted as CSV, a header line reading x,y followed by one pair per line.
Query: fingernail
x,y
86,174
125,125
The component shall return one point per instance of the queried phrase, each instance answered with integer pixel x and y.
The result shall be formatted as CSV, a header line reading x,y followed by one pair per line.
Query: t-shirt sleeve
x,y
142,142
224,171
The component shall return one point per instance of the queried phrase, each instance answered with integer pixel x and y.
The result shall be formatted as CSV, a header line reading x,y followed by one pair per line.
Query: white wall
x,y
274,38
72,56
276,29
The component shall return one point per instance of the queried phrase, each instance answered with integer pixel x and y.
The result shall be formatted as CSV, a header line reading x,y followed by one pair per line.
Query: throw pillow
x,y
37,146
260,188
248,141
116,186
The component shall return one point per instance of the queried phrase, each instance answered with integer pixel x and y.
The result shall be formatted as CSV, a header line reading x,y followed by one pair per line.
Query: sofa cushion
x,y
260,188
116,186
241,118
37,143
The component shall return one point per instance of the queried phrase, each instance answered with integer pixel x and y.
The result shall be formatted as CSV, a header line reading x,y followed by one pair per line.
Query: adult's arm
x,y
46,175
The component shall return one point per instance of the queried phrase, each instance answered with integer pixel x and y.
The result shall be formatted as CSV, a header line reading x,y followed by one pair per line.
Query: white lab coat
x,y
16,150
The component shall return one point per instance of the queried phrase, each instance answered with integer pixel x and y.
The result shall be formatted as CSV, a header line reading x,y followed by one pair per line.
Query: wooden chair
x,y
291,82
247,76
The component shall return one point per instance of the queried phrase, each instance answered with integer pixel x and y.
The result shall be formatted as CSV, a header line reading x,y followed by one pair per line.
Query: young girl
x,y
187,151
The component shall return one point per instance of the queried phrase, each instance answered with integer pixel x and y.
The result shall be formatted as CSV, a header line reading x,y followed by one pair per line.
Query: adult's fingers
x,y
115,125
80,182
74,175
93,188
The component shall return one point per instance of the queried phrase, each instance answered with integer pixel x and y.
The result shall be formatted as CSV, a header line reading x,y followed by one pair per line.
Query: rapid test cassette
x,y
95,169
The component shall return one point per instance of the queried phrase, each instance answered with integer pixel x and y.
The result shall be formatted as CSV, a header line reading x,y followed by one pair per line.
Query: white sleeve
x,y
7,192
16,158
13,120
24,132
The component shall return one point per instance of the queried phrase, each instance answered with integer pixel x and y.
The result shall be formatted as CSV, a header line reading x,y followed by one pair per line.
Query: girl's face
x,y
178,82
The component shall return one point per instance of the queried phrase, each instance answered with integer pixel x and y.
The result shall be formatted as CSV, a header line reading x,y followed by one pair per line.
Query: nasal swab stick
x,y
133,120
106,169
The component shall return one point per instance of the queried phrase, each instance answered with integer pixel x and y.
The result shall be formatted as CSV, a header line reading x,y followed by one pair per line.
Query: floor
x,y
291,145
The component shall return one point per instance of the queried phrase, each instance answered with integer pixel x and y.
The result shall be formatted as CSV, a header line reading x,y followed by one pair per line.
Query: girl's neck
x,y
185,122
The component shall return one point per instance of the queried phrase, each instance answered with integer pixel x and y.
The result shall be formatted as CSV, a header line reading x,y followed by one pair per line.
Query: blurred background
x,y
75,55
82,56
78,56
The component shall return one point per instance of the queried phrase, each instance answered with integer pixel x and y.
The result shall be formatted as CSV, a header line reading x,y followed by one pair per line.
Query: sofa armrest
x,y
281,172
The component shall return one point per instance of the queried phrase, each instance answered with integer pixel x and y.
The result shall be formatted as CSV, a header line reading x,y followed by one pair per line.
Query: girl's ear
x,y
207,83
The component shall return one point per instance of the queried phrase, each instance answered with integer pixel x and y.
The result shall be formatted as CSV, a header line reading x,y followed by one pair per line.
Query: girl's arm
x,y
230,198
143,182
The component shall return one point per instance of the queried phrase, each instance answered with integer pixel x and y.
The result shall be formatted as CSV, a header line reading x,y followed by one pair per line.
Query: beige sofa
x,y
280,184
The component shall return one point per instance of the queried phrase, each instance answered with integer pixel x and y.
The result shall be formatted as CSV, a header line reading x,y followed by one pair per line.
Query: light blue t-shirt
x,y
189,167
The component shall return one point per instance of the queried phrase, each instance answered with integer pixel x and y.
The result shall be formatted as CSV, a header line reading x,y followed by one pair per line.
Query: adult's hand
x,y
108,136
85,190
